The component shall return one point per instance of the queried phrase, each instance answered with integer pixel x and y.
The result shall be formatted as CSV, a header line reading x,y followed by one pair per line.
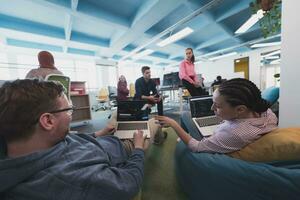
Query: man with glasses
x,y
40,160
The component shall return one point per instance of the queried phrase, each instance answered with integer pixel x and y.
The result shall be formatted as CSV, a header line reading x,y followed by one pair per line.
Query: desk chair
x,y
64,80
102,99
112,94
131,90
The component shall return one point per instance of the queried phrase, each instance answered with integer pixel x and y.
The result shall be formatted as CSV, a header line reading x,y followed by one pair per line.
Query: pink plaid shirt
x,y
233,135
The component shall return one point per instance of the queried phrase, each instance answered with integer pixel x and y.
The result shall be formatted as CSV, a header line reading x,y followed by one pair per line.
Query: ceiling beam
x,y
68,24
150,13
102,17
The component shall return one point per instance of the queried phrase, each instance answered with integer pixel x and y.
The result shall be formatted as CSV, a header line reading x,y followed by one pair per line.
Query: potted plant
x,y
271,22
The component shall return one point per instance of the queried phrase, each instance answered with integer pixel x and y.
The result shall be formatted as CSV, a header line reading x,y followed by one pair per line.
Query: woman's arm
x,y
185,137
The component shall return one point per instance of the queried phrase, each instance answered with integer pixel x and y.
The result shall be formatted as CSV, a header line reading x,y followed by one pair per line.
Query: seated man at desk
x,y
145,89
40,160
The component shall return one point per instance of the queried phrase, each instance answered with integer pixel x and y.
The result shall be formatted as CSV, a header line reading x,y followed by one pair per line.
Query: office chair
x,y
64,80
102,99
112,94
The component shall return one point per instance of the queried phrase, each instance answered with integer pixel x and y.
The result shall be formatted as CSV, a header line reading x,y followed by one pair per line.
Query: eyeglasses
x,y
70,110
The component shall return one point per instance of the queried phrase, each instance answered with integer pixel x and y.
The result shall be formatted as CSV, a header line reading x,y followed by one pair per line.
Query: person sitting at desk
x,y
40,160
47,67
122,89
246,117
218,81
145,89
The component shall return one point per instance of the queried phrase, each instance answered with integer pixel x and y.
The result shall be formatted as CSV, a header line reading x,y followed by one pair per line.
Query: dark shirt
x,y
143,88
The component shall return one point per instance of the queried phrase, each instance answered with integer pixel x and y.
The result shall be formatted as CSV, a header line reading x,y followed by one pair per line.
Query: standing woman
x,y
188,75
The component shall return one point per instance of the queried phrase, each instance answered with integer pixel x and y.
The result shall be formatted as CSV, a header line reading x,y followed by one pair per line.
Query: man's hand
x,y
139,139
105,131
152,99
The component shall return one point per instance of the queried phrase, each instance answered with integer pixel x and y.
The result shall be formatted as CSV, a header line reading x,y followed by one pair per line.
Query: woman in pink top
x,y
246,117
188,75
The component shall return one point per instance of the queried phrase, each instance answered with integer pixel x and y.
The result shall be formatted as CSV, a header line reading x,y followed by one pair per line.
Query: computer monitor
x,y
176,80
156,81
168,79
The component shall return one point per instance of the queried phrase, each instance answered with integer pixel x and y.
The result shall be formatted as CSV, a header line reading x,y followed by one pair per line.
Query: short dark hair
x,y
144,68
219,78
21,104
239,91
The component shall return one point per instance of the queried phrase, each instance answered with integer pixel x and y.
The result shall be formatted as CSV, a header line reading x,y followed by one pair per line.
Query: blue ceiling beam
x,y
237,7
160,55
150,13
102,17
217,39
100,13
31,27
81,52
117,57
33,45
83,38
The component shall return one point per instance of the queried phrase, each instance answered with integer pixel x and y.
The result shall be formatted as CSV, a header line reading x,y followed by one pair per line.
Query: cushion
x,y
278,145
271,94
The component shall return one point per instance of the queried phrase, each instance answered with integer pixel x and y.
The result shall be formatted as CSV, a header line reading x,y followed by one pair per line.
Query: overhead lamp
x,y
146,52
272,57
222,56
177,36
265,44
272,53
250,22
274,62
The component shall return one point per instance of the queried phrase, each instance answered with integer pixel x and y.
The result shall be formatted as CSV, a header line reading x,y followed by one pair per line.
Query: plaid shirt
x,y
233,135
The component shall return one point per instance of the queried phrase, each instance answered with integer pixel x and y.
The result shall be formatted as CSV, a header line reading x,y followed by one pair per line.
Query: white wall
x,y
289,112
225,66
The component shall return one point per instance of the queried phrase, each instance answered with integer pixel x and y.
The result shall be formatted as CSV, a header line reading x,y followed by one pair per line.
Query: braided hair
x,y
239,91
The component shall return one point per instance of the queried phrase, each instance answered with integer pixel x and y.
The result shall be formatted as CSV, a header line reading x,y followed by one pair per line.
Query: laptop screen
x,y
132,111
201,106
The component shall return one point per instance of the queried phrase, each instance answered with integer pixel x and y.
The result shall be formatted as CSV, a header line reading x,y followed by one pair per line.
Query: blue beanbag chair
x,y
218,176
271,94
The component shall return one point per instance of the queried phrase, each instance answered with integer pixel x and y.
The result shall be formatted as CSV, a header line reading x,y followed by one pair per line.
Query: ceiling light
x,y
146,52
250,22
177,36
222,56
271,57
274,62
265,44
272,53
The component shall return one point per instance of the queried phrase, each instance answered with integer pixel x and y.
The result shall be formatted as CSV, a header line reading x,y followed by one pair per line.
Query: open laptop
x,y
132,116
204,118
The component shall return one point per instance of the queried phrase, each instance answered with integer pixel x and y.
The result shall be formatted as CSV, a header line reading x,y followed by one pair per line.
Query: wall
x,y
225,66
289,112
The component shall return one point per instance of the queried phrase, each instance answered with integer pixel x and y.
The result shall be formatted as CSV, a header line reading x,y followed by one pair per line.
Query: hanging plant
x,y
271,22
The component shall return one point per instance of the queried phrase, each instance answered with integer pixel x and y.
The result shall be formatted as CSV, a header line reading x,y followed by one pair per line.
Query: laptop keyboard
x,y
209,121
132,126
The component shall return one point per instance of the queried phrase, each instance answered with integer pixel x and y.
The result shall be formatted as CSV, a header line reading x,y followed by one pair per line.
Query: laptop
x,y
204,118
132,116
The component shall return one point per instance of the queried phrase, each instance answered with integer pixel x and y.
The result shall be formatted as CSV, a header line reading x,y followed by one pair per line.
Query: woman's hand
x,y
165,121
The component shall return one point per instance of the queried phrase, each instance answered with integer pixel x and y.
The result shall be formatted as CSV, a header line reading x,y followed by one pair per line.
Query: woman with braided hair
x,y
246,117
